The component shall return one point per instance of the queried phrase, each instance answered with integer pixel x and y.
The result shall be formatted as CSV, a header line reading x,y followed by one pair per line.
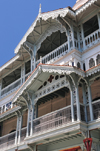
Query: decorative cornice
x,y
85,6
54,86
93,70
54,14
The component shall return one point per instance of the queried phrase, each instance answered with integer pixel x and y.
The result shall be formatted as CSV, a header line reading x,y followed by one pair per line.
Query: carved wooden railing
x,y
7,140
96,109
11,87
92,39
55,54
52,120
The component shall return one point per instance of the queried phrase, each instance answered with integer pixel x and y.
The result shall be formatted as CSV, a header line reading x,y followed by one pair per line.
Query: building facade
x,y
50,91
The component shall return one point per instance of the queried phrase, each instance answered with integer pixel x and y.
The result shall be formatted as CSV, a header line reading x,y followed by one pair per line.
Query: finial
x,y
40,9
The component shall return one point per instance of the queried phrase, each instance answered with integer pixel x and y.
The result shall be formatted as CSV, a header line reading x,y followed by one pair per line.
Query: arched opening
x,y
91,63
98,59
51,43
78,65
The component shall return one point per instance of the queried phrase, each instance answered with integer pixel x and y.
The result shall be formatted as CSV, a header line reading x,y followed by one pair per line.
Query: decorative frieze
x,y
49,88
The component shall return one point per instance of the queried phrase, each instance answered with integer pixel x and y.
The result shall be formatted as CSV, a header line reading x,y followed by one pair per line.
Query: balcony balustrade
x,y
92,39
52,120
11,87
96,109
7,140
55,54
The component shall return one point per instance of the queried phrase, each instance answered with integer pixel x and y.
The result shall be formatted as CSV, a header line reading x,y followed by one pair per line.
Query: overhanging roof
x,y
41,73
45,18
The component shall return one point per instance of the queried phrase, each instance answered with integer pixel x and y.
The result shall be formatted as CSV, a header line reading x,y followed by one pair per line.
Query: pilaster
x,y
90,102
0,87
23,73
19,128
72,105
78,104
32,117
16,135
83,36
28,120
84,100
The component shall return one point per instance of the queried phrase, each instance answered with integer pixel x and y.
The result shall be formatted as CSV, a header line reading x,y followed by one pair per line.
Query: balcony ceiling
x,y
14,63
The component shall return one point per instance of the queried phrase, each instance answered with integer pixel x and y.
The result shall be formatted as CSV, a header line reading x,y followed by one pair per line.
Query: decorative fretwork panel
x,y
52,120
82,111
80,37
96,110
75,112
91,63
74,93
88,113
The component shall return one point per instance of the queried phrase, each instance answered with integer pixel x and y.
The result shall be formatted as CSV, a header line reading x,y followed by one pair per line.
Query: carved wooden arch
x,y
82,79
48,32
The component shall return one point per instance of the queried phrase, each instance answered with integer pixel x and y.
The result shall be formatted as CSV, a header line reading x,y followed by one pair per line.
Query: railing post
x,y
20,126
78,104
16,135
90,102
72,105
23,73
32,117
84,101
83,39
28,120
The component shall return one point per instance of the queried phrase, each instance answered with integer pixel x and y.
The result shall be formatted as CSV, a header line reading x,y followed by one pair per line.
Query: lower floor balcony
x,y
47,123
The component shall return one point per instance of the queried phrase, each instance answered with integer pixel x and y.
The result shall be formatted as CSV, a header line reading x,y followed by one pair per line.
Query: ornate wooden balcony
x,y
52,120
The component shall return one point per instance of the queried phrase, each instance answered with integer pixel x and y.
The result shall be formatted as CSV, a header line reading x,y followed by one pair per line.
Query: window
x,y
84,67
78,65
91,63
98,59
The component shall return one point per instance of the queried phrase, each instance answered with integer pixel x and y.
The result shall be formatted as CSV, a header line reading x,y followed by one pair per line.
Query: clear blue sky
x,y
16,16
